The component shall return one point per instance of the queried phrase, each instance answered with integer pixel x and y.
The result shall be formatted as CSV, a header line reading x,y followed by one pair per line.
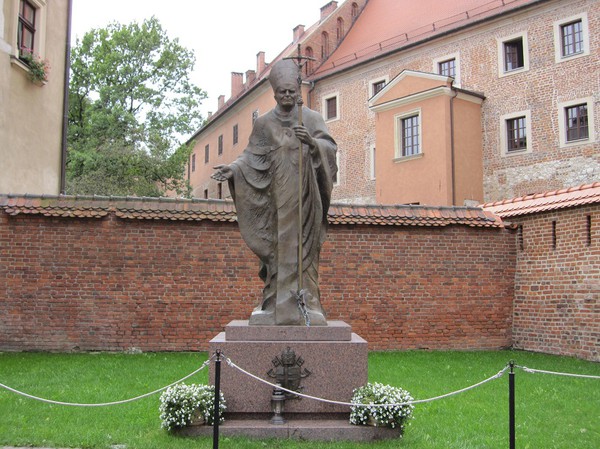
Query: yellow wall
x,y
31,116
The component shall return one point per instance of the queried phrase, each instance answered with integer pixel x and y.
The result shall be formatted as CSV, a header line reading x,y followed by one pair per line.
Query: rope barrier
x,y
351,404
534,371
74,404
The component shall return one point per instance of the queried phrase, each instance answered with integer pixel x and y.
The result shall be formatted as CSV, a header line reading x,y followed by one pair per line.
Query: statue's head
x,y
284,81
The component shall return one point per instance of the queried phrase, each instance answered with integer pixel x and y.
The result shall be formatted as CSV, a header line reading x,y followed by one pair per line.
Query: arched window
x,y
340,29
309,66
324,44
354,11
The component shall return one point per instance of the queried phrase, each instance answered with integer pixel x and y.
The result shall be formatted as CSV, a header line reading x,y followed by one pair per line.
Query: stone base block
x,y
336,367
322,429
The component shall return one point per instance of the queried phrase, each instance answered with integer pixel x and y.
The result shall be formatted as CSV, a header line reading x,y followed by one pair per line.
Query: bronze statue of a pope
x,y
282,197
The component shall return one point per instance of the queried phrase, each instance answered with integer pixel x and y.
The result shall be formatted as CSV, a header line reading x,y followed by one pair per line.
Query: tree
x,y
130,103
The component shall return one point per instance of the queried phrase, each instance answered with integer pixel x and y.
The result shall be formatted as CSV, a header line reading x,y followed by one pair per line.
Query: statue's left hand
x,y
304,136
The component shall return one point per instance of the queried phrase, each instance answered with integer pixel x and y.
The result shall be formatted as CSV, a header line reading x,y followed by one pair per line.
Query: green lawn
x,y
551,411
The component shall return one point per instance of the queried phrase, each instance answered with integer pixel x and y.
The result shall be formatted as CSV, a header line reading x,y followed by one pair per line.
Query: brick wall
x,y
158,285
557,286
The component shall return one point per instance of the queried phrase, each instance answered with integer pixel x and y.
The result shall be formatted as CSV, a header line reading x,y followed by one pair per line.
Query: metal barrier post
x,y
217,400
511,405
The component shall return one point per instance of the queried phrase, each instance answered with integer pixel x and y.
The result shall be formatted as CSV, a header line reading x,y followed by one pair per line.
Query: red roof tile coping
x,y
546,201
219,210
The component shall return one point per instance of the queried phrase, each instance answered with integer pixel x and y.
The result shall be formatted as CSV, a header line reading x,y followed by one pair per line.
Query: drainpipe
x,y
452,164
63,162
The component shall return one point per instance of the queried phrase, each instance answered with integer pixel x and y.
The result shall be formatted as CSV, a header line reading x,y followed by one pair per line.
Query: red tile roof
x,y
386,26
217,210
548,201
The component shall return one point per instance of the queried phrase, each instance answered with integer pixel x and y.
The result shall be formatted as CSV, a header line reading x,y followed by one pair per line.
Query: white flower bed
x,y
394,416
181,404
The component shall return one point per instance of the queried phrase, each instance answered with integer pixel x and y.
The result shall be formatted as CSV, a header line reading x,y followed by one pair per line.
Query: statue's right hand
x,y
223,173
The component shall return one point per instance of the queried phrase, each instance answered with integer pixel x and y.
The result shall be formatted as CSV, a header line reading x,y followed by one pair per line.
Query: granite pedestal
x,y
336,358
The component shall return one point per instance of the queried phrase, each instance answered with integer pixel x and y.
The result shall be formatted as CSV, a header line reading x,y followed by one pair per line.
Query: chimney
x,y
250,77
328,9
221,102
298,32
260,62
237,83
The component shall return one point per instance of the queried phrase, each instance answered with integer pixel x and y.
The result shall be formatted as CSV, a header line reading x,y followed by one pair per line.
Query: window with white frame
x,y
448,65
331,107
408,134
515,133
376,86
513,54
30,37
571,38
576,122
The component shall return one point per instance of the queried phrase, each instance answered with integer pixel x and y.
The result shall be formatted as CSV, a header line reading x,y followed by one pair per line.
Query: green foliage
x,y
130,102
38,68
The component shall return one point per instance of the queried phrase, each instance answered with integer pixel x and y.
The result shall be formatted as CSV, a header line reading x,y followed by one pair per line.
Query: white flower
x,y
393,415
179,404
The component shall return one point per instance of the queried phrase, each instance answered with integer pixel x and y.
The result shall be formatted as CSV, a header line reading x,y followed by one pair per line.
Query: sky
x,y
225,35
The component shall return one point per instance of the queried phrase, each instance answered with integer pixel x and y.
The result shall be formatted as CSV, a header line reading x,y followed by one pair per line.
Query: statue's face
x,y
286,95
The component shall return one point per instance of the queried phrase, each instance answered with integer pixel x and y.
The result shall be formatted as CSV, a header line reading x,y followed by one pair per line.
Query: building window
x,y
235,134
324,45
206,153
576,122
330,108
308,65
340,29
571,38
205,194
447,68
354,12
254,116
220,145
515,136
26,27
513,54
377,86
220,190
193,162
448,65
410,138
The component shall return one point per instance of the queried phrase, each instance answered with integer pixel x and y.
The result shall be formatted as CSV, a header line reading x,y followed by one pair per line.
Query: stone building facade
x,y
531,62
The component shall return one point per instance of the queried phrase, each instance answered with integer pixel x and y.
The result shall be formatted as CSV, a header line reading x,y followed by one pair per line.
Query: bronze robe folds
x,y
264,187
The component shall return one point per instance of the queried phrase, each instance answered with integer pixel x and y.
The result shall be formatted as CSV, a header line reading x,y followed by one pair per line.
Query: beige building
x,y
452,103
226,132
33,35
